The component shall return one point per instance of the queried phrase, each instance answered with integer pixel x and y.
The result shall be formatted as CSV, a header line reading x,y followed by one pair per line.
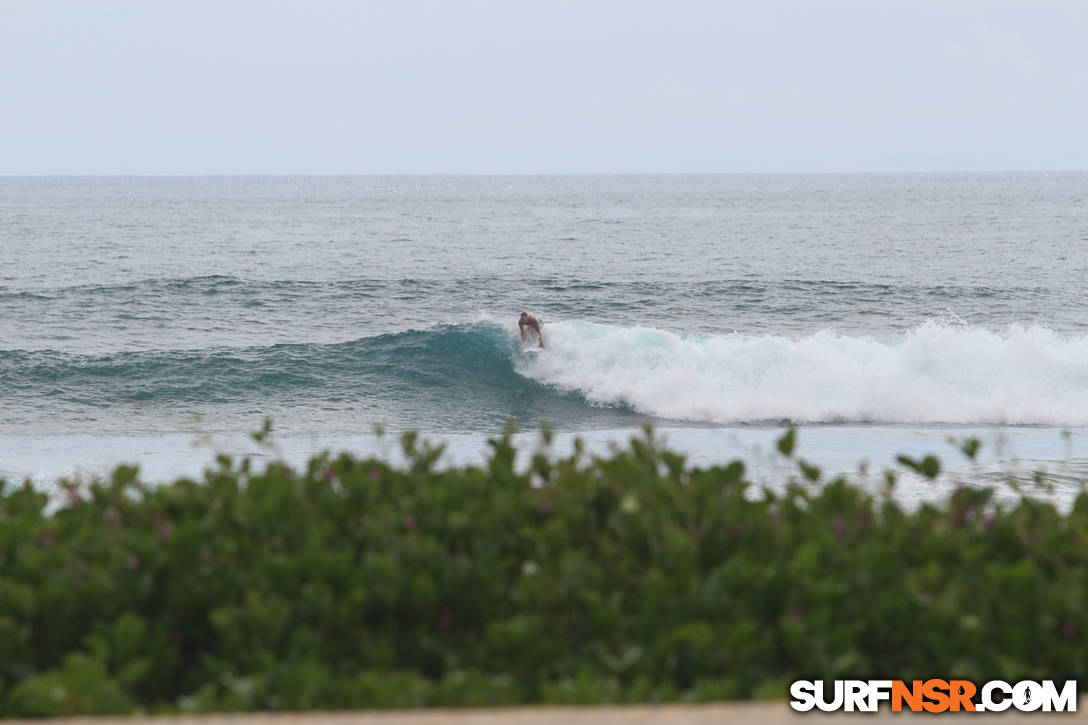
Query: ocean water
x,y
881,313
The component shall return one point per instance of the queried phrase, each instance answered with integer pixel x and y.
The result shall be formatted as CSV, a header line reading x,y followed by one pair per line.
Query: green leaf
x,y
787,441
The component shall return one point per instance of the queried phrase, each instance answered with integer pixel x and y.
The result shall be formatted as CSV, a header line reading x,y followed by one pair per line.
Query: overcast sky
x,y
527,86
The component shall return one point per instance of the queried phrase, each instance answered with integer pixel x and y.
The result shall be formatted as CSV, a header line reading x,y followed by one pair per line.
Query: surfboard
x,y
532,351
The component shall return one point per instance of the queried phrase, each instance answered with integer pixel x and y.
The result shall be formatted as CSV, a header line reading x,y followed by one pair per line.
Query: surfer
x,y
529,325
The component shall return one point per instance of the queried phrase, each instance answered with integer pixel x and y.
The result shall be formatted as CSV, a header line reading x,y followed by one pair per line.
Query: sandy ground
x,y
720,714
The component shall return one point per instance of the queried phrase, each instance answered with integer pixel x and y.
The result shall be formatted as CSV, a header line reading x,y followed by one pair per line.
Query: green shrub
x,y
631,577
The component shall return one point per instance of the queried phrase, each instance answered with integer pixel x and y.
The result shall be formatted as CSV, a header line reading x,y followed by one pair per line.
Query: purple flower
x,y
47,540
1069,631
74,495
373,473
409,522
838,526
112,516
329,474
546,508
445,621
796,612
988,522
176,639
133,562
734,530
165,533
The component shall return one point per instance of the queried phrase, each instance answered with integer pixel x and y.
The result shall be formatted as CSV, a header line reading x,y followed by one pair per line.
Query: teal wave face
x,y
455,377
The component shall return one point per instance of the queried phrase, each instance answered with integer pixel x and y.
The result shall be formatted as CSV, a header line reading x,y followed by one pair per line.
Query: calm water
x,y
161,307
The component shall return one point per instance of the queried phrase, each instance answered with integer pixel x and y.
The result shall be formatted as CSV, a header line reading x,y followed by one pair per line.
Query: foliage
x,y
631,577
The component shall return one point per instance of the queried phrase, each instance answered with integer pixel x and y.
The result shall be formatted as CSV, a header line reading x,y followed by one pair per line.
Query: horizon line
x,y
322,174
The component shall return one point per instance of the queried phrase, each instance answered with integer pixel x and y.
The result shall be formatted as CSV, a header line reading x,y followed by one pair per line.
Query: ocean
x,y
155,320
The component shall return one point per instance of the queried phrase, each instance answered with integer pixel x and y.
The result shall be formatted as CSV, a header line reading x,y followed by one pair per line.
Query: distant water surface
x,y
167,306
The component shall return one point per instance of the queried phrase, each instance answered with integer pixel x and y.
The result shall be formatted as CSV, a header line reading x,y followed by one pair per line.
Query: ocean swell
x,y
454,378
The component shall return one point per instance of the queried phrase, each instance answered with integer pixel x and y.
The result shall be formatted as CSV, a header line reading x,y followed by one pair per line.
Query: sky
x,y
531,86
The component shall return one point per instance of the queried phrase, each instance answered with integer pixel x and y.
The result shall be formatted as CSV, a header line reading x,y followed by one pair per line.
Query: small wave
x,y
452,377
439,356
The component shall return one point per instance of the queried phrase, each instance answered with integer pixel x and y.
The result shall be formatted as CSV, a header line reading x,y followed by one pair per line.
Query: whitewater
x,y
937,373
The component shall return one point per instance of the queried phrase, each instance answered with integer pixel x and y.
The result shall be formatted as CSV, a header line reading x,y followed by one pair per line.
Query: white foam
x,y
937,373
836,449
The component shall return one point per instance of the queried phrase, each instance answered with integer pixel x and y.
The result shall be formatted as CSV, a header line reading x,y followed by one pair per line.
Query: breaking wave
x,y
937,373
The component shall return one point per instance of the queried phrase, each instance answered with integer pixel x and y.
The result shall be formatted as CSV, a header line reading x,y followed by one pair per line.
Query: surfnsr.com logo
x,y
934,695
